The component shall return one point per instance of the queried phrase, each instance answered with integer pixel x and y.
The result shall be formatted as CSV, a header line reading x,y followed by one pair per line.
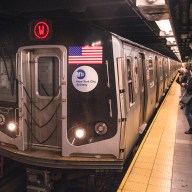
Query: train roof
x,y
140,46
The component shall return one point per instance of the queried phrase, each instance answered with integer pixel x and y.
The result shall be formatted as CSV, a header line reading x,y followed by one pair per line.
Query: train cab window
x,y
130,82
7,81
48,76
151,75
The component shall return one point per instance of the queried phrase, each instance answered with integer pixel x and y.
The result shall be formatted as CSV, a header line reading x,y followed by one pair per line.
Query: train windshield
x,y
7,81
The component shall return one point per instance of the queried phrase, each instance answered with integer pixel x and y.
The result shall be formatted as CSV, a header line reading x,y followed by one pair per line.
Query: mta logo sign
x,y
40,30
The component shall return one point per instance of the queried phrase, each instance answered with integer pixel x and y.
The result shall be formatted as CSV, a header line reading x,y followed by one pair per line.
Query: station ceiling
x,y
119,16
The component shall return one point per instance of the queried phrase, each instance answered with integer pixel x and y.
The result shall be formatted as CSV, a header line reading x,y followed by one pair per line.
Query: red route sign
x,y
41,30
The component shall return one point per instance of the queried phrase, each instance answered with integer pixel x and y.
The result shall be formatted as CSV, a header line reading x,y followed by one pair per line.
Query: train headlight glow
x,y
80,133
101,128
12,126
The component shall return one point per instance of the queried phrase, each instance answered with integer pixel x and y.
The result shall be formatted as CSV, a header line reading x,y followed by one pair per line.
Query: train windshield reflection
x,y
7,81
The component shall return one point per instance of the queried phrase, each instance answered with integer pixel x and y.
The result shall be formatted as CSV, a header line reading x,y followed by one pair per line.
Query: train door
x,y
142,85
41,71
131,82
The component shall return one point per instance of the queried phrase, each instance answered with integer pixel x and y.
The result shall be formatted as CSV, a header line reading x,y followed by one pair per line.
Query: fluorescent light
x,y
164,25
167,32
171,40
174,48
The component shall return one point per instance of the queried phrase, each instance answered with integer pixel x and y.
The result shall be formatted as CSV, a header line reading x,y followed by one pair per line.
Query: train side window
x,y
130,82
165,67
160,70
151,75
48,76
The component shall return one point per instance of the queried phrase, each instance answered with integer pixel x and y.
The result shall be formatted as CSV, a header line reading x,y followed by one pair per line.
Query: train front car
x,y
67,112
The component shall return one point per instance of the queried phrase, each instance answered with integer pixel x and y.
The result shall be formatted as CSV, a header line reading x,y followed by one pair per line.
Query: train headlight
x,y
12,126
80,133
100,128
2,119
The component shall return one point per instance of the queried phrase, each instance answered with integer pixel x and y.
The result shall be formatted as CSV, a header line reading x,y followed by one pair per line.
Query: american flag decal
x,y
85,55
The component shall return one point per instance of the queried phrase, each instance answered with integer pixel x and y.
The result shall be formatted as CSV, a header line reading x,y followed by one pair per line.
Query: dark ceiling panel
x,y
181,13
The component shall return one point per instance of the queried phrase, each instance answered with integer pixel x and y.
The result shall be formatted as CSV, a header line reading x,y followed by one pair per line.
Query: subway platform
x,y
163,162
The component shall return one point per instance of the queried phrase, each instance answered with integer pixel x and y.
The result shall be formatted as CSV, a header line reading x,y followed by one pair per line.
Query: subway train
x,y
74,96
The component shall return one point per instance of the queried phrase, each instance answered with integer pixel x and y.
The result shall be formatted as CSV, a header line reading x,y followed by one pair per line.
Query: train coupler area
x,y
38,180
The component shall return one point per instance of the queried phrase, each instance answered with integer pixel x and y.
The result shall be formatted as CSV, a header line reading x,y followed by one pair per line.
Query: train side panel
x,y
138,90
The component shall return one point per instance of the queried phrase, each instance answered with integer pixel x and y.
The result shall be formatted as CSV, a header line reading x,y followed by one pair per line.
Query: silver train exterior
x,y
78,99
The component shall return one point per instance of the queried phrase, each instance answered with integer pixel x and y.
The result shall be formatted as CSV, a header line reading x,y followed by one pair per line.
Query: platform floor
x,y
163,162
